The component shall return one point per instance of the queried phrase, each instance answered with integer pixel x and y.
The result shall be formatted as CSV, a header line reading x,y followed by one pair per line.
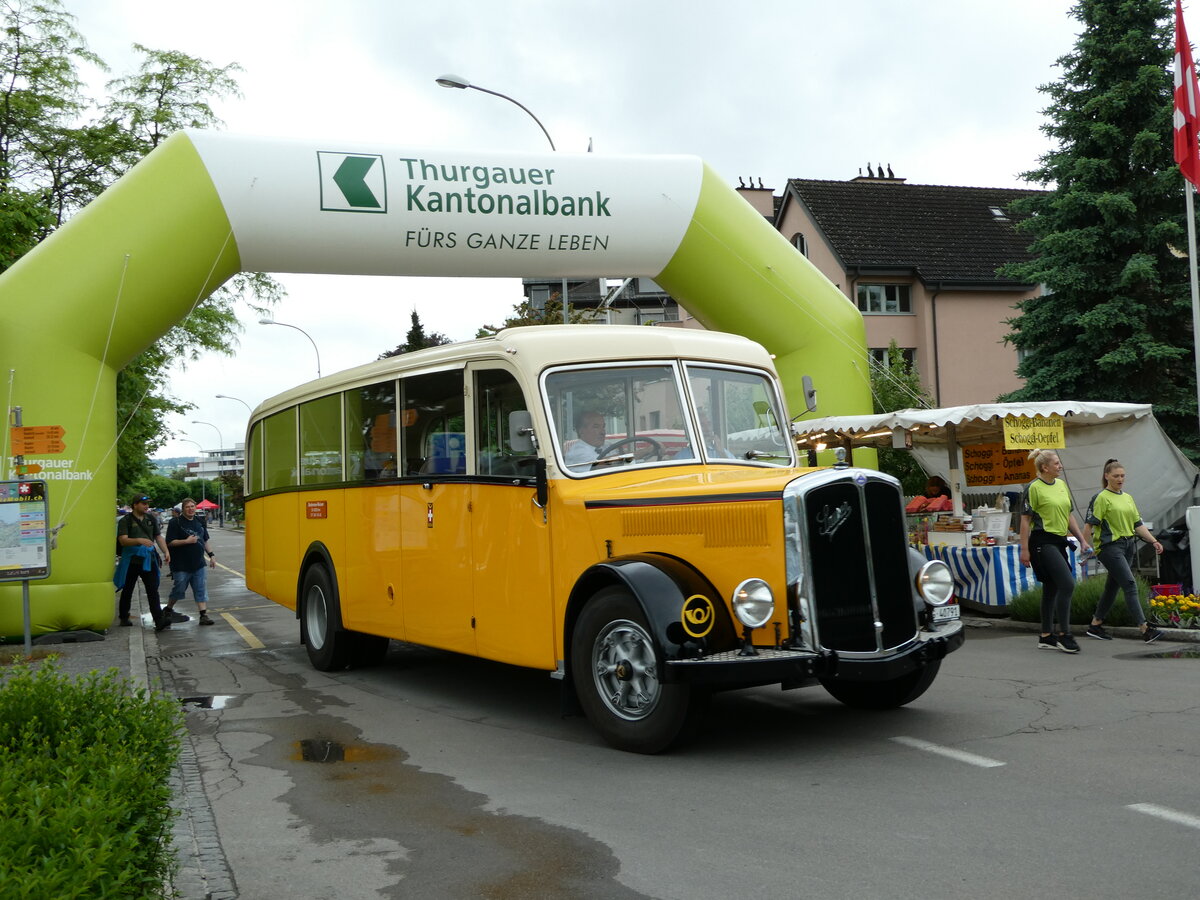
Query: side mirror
x,y
810,393
520,431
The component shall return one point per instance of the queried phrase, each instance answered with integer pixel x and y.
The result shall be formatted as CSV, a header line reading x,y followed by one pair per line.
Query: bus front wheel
x,y
327,644
615,668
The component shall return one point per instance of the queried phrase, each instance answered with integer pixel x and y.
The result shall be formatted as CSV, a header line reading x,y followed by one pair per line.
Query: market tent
x,y
206,504
1161,478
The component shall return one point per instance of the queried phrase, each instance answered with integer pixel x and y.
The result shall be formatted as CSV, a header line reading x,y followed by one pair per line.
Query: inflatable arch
x,y
205,206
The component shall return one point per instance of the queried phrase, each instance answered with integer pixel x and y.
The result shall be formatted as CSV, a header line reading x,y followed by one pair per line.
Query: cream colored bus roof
x,y
537,347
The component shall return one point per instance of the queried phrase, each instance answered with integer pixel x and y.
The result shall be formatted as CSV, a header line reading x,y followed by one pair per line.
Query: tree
x,y
525,313
416,339
1114,322
895,385
59,150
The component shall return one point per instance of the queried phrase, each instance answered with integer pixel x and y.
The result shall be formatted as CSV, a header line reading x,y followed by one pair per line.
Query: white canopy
x,y
1160,477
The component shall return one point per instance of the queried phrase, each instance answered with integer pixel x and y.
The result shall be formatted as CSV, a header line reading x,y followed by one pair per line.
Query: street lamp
x,y
220,483
303,332
238,399
457,81
201,457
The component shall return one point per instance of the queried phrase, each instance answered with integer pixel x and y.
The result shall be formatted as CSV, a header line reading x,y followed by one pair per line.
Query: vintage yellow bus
x,y
619,506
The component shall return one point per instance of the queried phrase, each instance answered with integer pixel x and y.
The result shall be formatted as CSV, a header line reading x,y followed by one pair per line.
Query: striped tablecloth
x,y
988,575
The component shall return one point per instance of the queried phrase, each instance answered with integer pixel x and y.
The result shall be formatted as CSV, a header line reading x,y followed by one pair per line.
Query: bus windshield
x,y
620,416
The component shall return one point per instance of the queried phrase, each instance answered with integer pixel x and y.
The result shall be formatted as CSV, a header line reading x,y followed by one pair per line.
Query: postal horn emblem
x,y
697,615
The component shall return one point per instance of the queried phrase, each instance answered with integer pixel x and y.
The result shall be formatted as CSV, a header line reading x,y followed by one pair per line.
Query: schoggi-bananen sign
x,y
204,206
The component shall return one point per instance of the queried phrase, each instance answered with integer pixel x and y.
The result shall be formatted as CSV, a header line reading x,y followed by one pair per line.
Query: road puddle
x,y
319,750
208,701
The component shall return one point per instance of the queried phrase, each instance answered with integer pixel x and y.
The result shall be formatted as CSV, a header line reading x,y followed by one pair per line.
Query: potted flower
x,y
1175,610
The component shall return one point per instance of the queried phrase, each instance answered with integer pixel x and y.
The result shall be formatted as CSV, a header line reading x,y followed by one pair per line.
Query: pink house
x,y
920,261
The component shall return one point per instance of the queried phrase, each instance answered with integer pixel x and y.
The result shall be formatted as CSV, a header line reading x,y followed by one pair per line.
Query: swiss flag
x,y
1187,95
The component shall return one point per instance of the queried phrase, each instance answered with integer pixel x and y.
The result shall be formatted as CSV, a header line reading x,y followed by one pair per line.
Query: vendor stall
x,y
966,445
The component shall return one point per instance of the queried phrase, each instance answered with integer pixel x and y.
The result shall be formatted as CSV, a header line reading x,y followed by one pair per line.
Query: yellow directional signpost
x,y
35,440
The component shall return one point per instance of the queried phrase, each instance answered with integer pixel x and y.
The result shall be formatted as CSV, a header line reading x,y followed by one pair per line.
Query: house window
x,y
800,243
884,298
879,355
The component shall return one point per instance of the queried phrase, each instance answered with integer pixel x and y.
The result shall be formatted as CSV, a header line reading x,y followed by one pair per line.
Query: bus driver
x,y
590,427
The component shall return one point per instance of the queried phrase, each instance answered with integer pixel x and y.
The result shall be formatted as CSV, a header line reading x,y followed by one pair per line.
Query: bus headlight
x,y
753,602
935,584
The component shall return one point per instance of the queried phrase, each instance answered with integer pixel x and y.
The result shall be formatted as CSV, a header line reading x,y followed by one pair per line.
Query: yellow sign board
x,y
1029,432
987,465
36,439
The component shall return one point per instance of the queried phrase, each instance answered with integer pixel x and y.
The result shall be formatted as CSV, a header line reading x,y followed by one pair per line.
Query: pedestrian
x,y
1115,521
1046,519
188,538
936,487
138,535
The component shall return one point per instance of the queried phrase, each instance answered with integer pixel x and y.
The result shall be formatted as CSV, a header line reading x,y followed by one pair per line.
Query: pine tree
x,y
1114,322
416,339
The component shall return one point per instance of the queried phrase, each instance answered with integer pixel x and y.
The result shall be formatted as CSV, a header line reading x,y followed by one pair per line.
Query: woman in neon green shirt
x,y
1114,519
1046,518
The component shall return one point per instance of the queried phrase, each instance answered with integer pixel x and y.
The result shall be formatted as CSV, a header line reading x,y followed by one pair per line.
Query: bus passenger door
x,y
435,518
514,608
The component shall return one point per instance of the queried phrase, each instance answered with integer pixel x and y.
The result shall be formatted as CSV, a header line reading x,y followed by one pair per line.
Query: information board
x,y
24,531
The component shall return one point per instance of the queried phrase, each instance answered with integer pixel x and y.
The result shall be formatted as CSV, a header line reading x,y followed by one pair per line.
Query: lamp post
x,y
238,399
457,81
303,332
220,483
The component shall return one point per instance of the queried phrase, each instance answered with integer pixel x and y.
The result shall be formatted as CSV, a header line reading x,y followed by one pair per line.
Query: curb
x,y
1126,632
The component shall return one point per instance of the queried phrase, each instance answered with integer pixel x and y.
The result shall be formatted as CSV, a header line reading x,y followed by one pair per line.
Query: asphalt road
x,y
1020,773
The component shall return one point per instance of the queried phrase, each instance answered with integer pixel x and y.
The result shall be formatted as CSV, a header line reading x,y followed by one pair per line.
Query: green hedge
x,y
1027,605
84,793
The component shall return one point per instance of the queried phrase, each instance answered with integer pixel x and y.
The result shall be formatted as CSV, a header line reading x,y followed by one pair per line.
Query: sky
x,y
943,91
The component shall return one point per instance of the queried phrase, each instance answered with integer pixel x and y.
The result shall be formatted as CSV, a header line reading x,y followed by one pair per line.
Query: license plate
x,y
945,613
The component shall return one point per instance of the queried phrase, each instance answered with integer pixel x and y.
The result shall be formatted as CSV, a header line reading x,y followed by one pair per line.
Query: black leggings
x,y
1058,586
1118,558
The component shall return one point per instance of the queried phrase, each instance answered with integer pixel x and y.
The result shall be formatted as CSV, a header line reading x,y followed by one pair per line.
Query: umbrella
x,y
206,504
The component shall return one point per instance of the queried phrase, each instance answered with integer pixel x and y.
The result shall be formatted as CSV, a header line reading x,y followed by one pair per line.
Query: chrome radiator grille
x,y
856,555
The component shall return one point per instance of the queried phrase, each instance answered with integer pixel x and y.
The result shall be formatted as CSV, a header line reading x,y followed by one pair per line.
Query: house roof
x,y
940,232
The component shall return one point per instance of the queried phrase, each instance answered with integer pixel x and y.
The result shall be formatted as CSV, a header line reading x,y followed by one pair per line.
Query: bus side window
x,y
434,423
371,432
497,395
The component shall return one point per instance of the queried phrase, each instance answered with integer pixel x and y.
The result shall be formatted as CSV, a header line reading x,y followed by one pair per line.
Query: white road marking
x,y
1170,815
970,759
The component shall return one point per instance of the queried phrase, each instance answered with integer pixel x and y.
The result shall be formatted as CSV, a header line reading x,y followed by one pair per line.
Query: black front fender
x,y
665,588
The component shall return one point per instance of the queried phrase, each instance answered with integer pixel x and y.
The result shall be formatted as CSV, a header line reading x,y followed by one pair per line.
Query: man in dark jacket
x,y
138,536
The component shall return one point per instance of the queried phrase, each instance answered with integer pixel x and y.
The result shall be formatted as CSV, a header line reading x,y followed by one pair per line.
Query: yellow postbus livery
x,y
619,506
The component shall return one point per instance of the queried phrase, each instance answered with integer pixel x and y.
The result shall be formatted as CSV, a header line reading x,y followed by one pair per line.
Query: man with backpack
x,y
140,542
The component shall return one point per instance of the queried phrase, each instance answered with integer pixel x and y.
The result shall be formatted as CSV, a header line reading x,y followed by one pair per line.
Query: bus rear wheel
x,y
616,672
321,622
883,694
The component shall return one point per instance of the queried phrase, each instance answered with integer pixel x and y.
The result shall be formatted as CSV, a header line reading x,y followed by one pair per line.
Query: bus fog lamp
x,y
753,602
935,583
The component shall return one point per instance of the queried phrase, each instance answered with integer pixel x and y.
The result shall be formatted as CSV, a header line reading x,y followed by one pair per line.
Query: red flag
x,y
1187,95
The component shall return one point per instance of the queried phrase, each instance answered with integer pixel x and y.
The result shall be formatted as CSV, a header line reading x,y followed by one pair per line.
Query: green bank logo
x,y
352,182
